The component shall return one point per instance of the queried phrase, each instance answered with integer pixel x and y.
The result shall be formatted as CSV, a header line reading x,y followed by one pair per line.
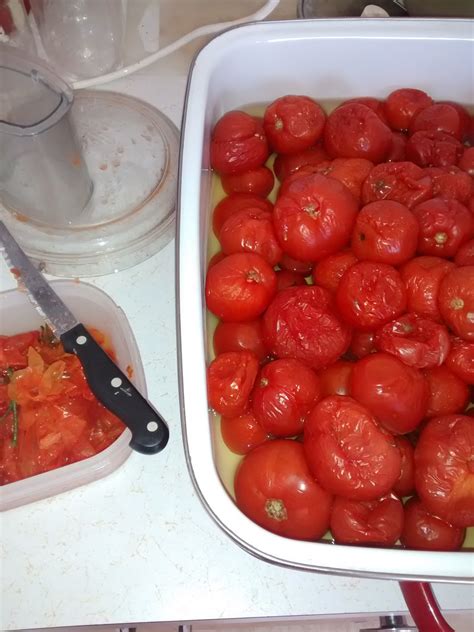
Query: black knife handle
x,y
111,387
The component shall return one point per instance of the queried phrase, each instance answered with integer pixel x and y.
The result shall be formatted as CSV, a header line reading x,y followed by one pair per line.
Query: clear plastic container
x,y
94,308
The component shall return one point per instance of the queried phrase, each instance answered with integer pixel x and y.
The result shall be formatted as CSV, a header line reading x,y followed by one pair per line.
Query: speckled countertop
x,y
138,545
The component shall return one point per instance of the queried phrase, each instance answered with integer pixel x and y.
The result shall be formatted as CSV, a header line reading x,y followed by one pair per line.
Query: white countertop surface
x,y
138,545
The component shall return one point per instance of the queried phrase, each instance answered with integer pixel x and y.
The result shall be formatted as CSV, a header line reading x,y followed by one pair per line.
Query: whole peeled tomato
x,y
402,105
466,163
385,232
352,172
397,151
439,117
465,254
293,123
370,295
287,164
240,287
246,336
396,394
374,104
238,143
258,181
422,277
301,322
417,341
285,392
354,130
456,301
314,217
444,473
449,394
426,532
236,202
461,359
450,183
402,182
433,149
336,378
274,488
329,271
242,434
347,451
444,226
405,485
230,380
370,522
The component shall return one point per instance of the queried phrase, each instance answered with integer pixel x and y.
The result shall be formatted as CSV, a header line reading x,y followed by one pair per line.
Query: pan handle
x,y
424,608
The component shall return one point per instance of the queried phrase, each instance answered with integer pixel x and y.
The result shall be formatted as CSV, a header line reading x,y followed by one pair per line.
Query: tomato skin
x,y
293,123
352,172
402,182
433,149
395,393
295,265
416,341
370,522
301,323
355,131
314,218
444,476
240,287
238,143
234,203
448,393
247,336
444,226
439,117
465,254
422,277
230,379
285,392
461,359
363,343
450,183
336,379
466,162
405,485
329,271
397,151
402,105
426,532
347,452
287,164
370,295
385,232
251,230
258,181
286,278
456,301
242,434
275,489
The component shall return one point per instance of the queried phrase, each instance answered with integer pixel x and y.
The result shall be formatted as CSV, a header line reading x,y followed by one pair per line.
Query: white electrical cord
x,y
209,29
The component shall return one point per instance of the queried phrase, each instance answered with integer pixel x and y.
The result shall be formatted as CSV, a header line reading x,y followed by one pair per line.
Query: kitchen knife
x,y
111,387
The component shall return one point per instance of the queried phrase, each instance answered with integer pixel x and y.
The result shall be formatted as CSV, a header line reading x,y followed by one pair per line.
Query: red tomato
x,y
336,378
466,163
13,350
242,434
234,203
405,485
450,183
433,149
385,232
314,218
461,360
215,259
285,392
402,182
370,294
423,531
301,323
355,131
416,341
397,151
286,278
448,393
347,452
402,105
287,164
395,393
444,476
422,277
363,343
465,254
251,230
328,272
465,120
444,226
258,181
456,301
439,117
275,489
375,105
238,143
352,172
246,336
240,287
293,123
230,379
371,522
295,265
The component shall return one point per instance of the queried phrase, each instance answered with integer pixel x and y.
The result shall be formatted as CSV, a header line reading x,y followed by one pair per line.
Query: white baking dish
x,y
328,59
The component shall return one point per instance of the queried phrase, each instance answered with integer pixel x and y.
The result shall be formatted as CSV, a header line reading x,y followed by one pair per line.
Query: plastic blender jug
x,y
43,176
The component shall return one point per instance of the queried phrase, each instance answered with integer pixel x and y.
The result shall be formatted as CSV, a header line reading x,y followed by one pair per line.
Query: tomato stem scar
x,y
276,509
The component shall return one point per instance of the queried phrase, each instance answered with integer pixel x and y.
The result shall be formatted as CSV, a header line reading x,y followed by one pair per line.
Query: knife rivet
x,y
116,382
81,340
152,426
